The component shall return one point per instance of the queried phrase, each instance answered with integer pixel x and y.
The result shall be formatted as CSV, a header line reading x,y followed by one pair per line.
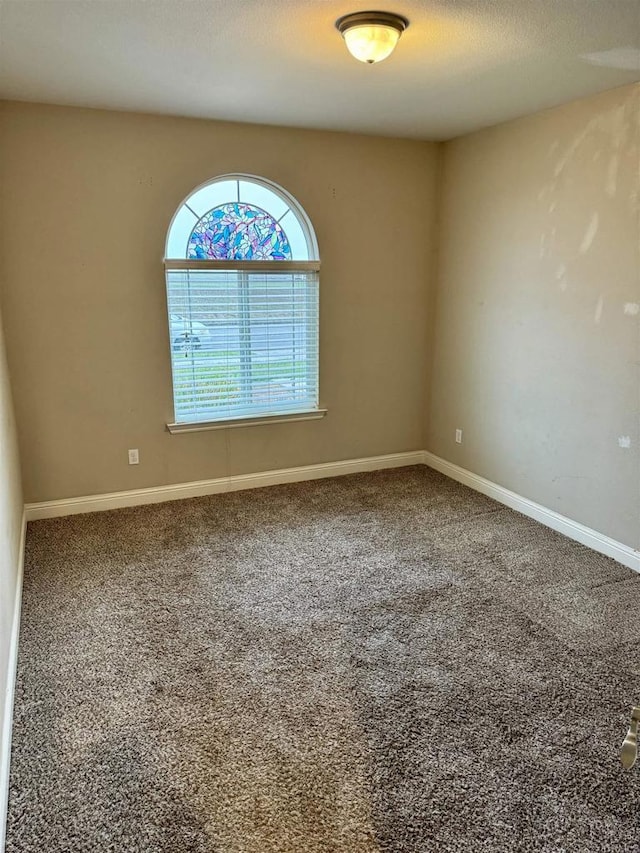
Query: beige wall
x,y
535,338
89,196
10,535
537,345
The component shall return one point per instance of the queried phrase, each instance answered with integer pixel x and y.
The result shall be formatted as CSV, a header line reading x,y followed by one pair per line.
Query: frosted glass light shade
x,y
371,43
371,36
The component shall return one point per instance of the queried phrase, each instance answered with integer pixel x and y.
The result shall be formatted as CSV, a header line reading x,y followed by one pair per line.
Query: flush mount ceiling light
x,y
371,36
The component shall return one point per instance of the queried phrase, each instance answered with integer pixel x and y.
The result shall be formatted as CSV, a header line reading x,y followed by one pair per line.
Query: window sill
x,y
286,417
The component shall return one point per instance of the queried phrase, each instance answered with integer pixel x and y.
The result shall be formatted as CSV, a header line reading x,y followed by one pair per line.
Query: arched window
x,y
242,268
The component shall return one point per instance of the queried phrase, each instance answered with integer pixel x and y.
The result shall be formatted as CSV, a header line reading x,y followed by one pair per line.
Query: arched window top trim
x,y
285,223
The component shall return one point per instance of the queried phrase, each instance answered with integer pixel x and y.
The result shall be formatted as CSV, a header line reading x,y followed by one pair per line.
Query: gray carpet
x,y
381,662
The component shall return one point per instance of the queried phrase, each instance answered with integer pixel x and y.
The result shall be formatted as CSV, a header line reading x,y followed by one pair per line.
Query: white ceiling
x,y
461,65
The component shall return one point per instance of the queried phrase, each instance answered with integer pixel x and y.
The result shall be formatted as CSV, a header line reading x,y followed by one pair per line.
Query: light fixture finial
x,y
371,36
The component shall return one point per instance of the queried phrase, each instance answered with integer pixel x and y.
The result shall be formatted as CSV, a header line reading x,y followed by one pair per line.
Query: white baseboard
x,y
159,494
12,664
573,529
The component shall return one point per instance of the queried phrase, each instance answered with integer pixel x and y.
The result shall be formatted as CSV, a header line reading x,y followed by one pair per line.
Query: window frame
x,y
310,264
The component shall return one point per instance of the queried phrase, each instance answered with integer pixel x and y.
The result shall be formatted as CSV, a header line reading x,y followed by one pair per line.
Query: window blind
x,y
243,343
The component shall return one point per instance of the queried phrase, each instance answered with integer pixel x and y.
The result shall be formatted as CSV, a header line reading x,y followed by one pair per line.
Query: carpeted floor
x,y
381,662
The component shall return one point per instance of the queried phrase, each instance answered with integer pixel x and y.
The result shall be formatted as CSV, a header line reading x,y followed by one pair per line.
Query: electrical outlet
x,y
133,457
458,436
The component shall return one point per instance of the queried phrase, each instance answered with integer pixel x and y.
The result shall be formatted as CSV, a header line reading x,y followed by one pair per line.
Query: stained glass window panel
x,y
240,232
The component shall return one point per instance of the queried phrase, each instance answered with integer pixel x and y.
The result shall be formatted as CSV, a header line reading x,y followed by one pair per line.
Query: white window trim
x,y
248,421
256,266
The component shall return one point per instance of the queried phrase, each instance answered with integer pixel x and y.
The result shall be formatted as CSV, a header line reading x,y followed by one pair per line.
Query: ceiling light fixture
x,y
371,36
